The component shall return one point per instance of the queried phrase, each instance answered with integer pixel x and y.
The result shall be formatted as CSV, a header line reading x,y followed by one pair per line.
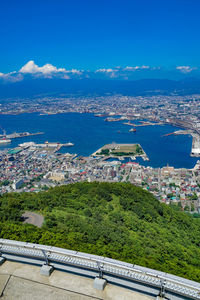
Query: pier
x,y
16,135
48,146
195,145
142,124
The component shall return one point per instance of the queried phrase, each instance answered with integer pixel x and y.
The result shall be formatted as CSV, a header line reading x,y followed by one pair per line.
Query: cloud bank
x,y
185,69
31,69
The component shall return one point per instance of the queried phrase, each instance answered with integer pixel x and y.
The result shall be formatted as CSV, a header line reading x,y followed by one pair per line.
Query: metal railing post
x,y
100,269
46,257
162,288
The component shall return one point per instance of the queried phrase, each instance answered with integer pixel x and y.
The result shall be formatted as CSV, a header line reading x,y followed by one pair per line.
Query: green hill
x,y
117,220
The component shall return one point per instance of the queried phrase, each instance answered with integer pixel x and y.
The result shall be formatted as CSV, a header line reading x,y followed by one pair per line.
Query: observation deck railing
x,y
140,279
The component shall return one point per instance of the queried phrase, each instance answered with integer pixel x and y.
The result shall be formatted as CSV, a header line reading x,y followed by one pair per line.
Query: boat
x,y
132,130
69,144
5,141
100,115
3,137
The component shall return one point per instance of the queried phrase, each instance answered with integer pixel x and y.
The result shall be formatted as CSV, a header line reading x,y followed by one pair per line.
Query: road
x,y
33,218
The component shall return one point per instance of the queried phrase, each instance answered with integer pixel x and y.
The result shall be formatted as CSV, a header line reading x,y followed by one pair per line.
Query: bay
x,y
89,133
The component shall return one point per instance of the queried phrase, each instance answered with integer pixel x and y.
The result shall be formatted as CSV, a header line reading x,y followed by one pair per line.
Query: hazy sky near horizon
x,y
92,34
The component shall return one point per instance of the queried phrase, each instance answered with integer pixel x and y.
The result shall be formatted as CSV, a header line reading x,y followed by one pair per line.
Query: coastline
x,y
88,133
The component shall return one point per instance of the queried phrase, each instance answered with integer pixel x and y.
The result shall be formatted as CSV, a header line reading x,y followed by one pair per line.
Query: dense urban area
x,y
34,167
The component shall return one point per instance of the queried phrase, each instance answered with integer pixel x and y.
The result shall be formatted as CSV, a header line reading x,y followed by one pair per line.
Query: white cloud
x,y
144,67
66,77
118,68
105,70
48,71
185,69
11,77
112,73
136,68
31,68
74,71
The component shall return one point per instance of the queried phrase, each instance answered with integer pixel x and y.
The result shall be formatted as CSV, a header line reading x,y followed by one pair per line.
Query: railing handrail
x,y
149,276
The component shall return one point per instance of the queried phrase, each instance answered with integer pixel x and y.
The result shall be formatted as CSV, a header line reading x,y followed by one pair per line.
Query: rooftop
x,y
24,282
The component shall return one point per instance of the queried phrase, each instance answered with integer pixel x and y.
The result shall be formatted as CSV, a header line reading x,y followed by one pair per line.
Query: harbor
x,y
195,149
89,133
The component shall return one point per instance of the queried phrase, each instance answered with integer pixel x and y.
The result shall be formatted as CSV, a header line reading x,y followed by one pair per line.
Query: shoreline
x,y
159,154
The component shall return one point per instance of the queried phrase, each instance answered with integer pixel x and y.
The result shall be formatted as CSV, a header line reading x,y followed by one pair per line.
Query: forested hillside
x,y
117,220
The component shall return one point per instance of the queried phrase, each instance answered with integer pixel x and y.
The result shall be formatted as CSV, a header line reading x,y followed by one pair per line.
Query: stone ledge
x,y
99,283
46,270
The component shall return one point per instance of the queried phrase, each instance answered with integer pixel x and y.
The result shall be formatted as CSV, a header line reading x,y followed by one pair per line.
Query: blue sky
x,y
93,34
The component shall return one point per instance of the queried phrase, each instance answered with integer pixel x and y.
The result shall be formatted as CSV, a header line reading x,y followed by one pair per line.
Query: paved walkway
x,y
23,282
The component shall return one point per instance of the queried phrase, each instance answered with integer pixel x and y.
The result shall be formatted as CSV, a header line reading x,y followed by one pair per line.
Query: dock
x,y
195,146
142,124
168,134
178,132
49,146
16,135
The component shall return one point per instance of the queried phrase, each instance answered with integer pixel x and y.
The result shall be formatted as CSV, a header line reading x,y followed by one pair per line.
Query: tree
x,y
186,208
117,220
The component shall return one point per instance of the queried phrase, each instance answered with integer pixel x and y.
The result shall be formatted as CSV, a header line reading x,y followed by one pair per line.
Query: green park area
x,y
121,150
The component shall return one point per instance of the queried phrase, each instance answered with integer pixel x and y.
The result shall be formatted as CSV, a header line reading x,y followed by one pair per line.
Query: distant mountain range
x,y
32,80
30,86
